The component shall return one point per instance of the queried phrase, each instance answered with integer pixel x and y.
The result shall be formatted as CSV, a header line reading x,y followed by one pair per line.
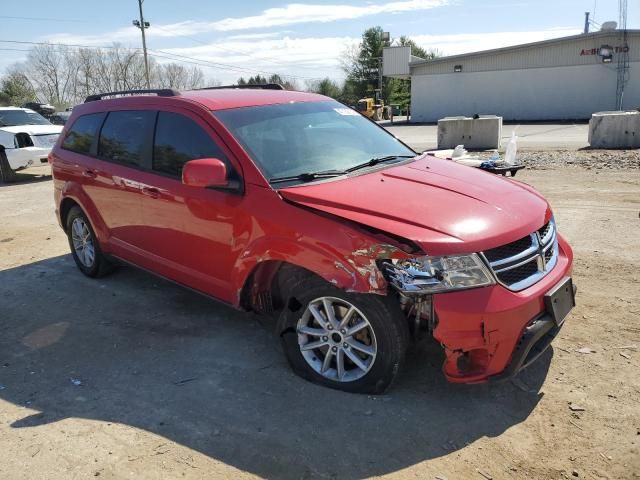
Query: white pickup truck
x,y
27,138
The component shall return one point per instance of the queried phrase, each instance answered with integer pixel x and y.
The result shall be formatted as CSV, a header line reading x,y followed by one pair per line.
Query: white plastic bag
x,y
459,151
512,150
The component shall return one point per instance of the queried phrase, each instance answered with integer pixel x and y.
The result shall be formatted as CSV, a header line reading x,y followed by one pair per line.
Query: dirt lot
x,y
132,377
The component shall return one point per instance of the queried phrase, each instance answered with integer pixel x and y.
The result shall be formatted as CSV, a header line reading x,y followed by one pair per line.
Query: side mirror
x,y
205,172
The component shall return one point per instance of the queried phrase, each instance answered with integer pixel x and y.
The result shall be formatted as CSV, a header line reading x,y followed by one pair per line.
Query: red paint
x,y
491,320
212,240
206,172
444,207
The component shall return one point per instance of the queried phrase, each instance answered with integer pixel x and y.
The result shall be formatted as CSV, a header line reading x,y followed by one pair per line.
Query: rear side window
x,y
124,136
179,139
81,135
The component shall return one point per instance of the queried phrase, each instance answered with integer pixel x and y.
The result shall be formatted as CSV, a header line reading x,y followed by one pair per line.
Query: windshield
x,y
301,138
11,118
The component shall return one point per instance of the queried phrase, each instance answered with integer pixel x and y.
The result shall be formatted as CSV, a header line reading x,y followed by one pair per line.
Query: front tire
x,y
347,341
84,245
7,175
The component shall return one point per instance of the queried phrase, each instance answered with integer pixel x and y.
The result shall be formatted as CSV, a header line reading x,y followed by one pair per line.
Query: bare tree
x,y
64,76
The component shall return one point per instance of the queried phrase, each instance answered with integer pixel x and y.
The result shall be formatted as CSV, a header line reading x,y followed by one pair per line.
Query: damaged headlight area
x,y
428,275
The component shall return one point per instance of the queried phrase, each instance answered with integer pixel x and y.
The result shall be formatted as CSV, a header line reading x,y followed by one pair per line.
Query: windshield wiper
x,y
308,176
376,161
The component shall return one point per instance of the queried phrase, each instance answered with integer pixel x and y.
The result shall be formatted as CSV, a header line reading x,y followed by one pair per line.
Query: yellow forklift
x,y
374,107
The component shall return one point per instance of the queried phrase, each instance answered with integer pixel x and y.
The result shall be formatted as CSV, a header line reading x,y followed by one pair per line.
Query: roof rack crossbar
x,y
161,92
262,86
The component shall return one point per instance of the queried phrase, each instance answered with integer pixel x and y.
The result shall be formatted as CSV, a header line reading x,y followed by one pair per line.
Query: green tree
x,y
16,89
260,80
326,87
362,64
418,51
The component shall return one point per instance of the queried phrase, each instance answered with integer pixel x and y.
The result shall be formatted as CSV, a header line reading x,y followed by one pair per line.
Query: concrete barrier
x,y
477,134
615,130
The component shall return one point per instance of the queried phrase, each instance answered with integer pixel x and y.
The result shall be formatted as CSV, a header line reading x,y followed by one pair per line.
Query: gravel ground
x,y
589,159
133,377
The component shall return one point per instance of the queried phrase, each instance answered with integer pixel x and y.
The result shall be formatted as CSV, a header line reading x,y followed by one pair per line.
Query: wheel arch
x,y
65,207
72,195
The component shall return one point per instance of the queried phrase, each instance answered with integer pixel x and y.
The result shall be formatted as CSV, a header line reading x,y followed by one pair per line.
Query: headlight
x,y
426,275
45,141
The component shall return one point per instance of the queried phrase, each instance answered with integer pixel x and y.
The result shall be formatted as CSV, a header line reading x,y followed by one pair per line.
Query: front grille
x,y
518,274
520,264
508,250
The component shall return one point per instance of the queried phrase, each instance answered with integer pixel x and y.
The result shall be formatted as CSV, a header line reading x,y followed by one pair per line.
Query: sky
x,y
303,40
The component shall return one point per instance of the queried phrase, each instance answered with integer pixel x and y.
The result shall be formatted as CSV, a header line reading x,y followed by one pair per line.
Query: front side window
x,y
124,136
179,139
81,135
300,138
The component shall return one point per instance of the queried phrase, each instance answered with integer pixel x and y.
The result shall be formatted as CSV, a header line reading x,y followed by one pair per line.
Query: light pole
x,y
142,25
385,37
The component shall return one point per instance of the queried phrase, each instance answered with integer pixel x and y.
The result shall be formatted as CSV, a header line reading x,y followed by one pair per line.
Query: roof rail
x,y
161,92
262,86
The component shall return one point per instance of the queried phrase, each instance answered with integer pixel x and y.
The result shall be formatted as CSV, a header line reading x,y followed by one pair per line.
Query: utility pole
x,y
622,51
142,25
586,22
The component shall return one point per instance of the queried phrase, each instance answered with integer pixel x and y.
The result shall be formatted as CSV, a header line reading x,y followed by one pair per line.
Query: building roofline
x,y
551,41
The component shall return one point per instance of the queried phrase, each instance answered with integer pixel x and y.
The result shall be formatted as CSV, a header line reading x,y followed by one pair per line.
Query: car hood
x,y
33,129
442,206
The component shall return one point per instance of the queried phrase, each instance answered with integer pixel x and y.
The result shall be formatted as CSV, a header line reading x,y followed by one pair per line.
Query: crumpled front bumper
x,y
27,157
492,333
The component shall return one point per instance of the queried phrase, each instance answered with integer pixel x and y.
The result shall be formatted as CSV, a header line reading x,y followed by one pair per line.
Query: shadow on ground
x,y
24,178
160,358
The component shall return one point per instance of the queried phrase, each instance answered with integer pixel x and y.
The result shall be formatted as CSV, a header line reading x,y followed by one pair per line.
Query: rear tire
x,y
359,350
7,175
84,245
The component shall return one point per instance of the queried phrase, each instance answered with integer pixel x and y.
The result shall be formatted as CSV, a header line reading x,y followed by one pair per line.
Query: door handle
x,y
89,173
151,192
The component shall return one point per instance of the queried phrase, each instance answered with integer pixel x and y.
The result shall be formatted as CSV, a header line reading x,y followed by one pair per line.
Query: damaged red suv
x,y
291,204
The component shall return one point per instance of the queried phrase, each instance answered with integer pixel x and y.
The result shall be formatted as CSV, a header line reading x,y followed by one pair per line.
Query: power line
x,y
188,37
15,49
73,45
228,50
233,66
44,19
192,60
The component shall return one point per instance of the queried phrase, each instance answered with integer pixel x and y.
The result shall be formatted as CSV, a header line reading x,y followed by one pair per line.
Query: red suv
x,y
291,204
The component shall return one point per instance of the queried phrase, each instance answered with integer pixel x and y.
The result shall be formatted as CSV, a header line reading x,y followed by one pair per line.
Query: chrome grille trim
x,y
542,240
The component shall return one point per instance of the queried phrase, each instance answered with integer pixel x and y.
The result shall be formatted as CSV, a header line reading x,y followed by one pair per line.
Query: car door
x,y
190,233
115,176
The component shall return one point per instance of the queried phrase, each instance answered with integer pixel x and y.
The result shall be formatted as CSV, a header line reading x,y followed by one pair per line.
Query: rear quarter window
x,y
81,135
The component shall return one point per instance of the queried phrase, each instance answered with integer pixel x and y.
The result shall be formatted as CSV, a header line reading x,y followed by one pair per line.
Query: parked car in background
x,y
26,138
289,203
59,118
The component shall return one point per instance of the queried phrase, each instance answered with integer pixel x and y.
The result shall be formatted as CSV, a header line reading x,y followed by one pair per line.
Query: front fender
x,y
352,271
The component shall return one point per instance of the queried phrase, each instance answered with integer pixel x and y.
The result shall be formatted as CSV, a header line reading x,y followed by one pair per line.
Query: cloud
x,y
306,58
320,56
126,36
296,13
455,44
286,53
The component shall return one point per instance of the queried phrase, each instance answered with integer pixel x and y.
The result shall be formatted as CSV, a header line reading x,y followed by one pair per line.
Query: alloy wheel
x,y
336,339
83,242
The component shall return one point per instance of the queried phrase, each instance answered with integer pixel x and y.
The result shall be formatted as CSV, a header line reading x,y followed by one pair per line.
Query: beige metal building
x,y
559,79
